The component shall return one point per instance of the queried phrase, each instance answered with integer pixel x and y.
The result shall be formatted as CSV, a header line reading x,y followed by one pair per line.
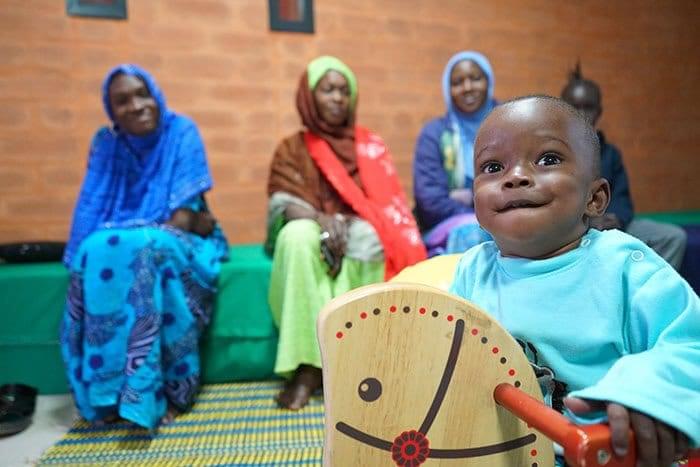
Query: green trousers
x,y
300,286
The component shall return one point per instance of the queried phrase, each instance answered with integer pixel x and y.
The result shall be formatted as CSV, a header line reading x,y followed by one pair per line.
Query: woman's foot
x,y
170,415
108,420
296,394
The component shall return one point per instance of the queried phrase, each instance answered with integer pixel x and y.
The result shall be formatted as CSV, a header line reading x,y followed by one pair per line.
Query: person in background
x,y
144,255
337,219
667,240
442,165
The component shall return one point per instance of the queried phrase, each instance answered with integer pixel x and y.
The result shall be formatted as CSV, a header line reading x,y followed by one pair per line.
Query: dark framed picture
x,y
115,9
292,15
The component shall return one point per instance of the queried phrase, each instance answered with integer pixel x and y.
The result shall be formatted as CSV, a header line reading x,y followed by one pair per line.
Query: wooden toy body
x,y
409,373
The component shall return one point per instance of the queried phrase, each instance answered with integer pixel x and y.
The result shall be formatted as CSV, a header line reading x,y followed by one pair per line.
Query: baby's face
x,y
532,178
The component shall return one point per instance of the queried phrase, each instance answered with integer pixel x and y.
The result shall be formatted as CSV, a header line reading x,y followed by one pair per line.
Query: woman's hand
x,y
658,445
334,232
202,223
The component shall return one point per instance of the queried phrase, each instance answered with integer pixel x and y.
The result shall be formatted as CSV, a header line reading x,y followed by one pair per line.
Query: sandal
x,y
17,403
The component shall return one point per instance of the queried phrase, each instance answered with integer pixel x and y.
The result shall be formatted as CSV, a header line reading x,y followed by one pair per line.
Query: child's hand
x,y
658,445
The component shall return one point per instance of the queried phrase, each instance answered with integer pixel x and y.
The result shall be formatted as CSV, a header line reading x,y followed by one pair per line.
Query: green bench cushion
x,y
677,217
240,343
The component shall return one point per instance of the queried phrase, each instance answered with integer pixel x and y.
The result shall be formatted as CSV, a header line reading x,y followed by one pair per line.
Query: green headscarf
x,y
320,66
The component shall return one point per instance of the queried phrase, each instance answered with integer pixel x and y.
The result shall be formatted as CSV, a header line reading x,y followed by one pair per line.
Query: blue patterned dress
x,y
140,291
137,303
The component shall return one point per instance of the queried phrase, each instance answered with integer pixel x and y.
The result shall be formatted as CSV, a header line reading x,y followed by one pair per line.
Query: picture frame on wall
x,y
292,15
114,9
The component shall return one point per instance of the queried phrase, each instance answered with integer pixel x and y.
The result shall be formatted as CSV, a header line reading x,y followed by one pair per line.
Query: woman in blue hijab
x,y
144,255
443,166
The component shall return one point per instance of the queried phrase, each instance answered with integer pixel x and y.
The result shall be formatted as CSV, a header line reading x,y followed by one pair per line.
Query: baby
x,y
611,324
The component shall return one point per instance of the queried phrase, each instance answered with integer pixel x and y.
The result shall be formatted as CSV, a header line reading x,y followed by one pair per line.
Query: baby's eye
x,y
370,389
549,159
491,167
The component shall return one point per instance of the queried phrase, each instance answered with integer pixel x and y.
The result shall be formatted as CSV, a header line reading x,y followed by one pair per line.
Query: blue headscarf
x,y
138,180
465,125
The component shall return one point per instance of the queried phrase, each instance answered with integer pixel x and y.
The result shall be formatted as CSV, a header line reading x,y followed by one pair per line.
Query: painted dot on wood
x,y
421,311
435,313
392,308
339,335
475,331
517,384
363,315
533,453
406,309
348,325
494,350
484,340
503,360
450,317
511,372
376,311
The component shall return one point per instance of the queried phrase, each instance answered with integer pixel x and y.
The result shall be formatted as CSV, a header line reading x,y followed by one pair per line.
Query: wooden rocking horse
x,y
413,375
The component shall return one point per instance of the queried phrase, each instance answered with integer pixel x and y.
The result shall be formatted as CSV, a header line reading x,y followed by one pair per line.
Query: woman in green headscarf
x,y
337,219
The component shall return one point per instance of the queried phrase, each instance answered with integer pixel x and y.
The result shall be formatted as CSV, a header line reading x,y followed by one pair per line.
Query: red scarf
x,y
382,203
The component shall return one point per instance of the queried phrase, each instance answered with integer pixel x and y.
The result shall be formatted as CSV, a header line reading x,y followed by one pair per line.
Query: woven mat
x,y
230,424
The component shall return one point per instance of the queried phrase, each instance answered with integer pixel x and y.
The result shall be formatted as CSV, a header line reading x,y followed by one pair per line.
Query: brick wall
x,y
217,62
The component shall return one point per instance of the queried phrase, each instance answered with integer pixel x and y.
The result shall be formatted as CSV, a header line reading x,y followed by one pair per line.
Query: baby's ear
x,y
599,198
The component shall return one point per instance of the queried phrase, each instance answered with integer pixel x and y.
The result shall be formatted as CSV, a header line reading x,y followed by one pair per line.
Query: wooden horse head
x,y
409,375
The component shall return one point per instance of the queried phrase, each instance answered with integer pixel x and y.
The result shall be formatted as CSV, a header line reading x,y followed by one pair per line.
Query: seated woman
x,y
443,169
338,219
144,255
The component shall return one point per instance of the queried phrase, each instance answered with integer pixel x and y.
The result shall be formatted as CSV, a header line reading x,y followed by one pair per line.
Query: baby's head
x,y
537,177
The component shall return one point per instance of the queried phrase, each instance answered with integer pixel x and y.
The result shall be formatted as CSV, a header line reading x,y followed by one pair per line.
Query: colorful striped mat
x,y
230,424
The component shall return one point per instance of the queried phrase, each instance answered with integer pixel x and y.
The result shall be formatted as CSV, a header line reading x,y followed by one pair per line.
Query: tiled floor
x,y
53,417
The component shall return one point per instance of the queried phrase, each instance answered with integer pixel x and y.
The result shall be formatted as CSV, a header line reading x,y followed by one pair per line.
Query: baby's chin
x,y
527,247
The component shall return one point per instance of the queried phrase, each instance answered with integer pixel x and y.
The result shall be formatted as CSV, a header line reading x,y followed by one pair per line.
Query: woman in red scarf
x,y
338,219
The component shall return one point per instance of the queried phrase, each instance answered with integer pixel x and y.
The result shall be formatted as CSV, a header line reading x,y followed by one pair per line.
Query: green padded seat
x,y
240,344
675,217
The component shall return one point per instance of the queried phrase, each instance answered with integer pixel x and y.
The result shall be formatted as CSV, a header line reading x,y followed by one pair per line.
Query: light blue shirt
x,y
611,318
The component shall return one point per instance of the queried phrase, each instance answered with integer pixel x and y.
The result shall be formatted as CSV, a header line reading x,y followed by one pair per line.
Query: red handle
x,y
584,446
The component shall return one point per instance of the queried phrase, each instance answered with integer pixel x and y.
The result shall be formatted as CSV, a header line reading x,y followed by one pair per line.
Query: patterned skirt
x,y
138,300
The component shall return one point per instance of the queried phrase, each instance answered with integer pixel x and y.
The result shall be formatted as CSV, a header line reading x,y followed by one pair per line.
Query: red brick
x,y
31,207
13,114
96,31
70,176
199,65
250,95
217,61
168,37
214,118
209,10
57,117
223,144
37,149
13,180
235,42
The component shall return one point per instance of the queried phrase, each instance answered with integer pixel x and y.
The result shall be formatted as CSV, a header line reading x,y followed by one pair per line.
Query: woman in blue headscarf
x,y
144,255
443,166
